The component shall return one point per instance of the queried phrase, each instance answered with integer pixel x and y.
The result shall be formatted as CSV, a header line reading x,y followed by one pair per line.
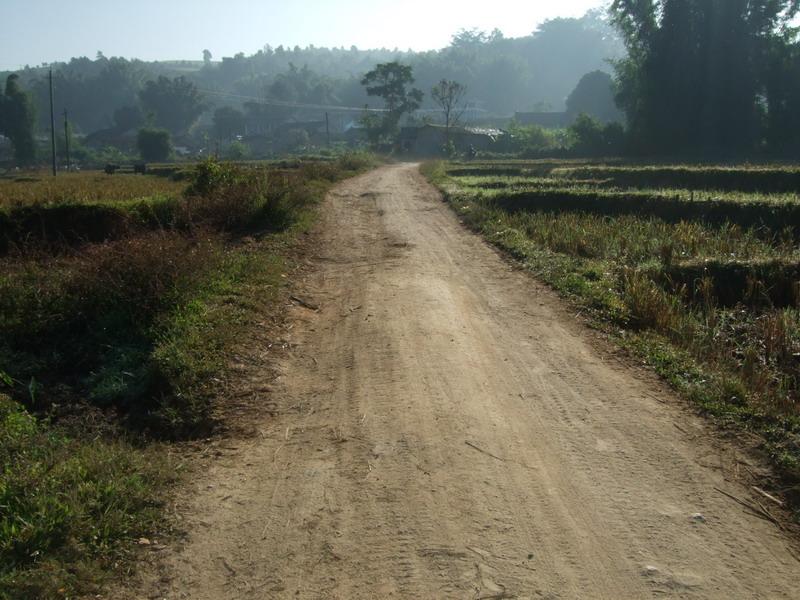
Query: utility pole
x,y
328,129
52,124
66,139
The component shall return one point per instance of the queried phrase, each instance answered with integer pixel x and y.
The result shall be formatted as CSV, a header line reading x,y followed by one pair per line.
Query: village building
x,y
548,120
431,140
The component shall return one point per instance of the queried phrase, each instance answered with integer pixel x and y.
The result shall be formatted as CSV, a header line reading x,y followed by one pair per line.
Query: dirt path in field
x,y
444,429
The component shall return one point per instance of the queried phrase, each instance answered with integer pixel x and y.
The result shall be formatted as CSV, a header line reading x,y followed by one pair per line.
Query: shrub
x,y
230,197
296,139
96,323
592,138
237,151
355,161
91,321
649,305
532,139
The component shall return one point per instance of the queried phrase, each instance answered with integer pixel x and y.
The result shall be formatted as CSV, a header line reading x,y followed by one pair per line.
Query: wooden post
x,y
328,129
66,139
52,125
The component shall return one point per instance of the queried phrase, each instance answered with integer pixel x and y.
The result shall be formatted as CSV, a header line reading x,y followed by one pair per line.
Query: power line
x,y
285,104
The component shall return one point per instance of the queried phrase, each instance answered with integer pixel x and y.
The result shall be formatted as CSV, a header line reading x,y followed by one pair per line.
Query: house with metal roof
x,y
431,140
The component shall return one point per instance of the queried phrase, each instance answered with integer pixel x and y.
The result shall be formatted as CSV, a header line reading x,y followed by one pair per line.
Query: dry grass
x,y
714,305
84,188
106,346
751,178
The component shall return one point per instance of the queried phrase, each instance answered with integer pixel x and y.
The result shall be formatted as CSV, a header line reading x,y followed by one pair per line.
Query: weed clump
x,y
70,505
134,324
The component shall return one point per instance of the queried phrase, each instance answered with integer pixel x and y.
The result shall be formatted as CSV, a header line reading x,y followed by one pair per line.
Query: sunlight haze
x,y
47,31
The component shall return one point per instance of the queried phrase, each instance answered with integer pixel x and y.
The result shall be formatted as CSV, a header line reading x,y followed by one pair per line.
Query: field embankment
x,y
119,300
694,269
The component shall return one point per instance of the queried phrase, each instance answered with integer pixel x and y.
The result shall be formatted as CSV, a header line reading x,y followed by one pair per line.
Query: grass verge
x,y
111,350
72,506
713,308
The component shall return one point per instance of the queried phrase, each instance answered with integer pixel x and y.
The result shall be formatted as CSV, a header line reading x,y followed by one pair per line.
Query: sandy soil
x,y
443,428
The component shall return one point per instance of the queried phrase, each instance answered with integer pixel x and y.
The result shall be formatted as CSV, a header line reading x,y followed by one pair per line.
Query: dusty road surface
x,y
444,429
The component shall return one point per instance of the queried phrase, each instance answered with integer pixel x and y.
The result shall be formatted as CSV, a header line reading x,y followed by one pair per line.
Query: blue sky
x,y
41,31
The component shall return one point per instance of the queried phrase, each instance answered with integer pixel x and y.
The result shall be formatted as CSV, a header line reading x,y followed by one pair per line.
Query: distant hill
x,y
502,75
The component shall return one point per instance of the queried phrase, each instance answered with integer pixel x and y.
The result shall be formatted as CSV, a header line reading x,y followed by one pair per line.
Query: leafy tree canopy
x,y
175,103
590,137
155,145
696,74
392,83
594,96
17,120
127,118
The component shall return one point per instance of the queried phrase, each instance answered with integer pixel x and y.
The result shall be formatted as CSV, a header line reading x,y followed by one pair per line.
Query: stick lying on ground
x,y
303,303
471,445
768,496
758,511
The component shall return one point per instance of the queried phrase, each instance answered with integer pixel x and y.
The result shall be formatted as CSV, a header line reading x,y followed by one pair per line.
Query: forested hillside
x,y
502,75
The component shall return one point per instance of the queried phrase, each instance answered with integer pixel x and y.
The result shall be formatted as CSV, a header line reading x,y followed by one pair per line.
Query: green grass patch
x,y
71,505
746,178
83,188
768,218
770,179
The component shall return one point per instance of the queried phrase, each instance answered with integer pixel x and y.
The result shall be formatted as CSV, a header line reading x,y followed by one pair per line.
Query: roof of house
x,y
307,125
544,119
487,131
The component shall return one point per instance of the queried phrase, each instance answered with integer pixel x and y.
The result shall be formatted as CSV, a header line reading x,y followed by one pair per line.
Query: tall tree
x,y
392,82
695,73
91,90
594,96
17,120
175,103
449,95
783,98
155,145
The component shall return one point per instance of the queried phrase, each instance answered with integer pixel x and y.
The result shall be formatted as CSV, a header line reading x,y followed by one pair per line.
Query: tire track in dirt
x,y
444,431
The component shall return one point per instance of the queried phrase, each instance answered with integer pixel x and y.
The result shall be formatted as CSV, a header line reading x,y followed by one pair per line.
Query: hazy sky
x,y
39,31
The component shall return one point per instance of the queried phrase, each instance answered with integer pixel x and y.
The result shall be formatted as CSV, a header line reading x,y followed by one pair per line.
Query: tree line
x,y
695,77
502,74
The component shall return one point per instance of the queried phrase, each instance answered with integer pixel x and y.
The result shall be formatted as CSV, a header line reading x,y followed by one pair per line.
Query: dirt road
x,y
444,429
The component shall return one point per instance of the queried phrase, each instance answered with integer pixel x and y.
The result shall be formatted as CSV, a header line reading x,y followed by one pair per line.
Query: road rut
x,y
444,429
